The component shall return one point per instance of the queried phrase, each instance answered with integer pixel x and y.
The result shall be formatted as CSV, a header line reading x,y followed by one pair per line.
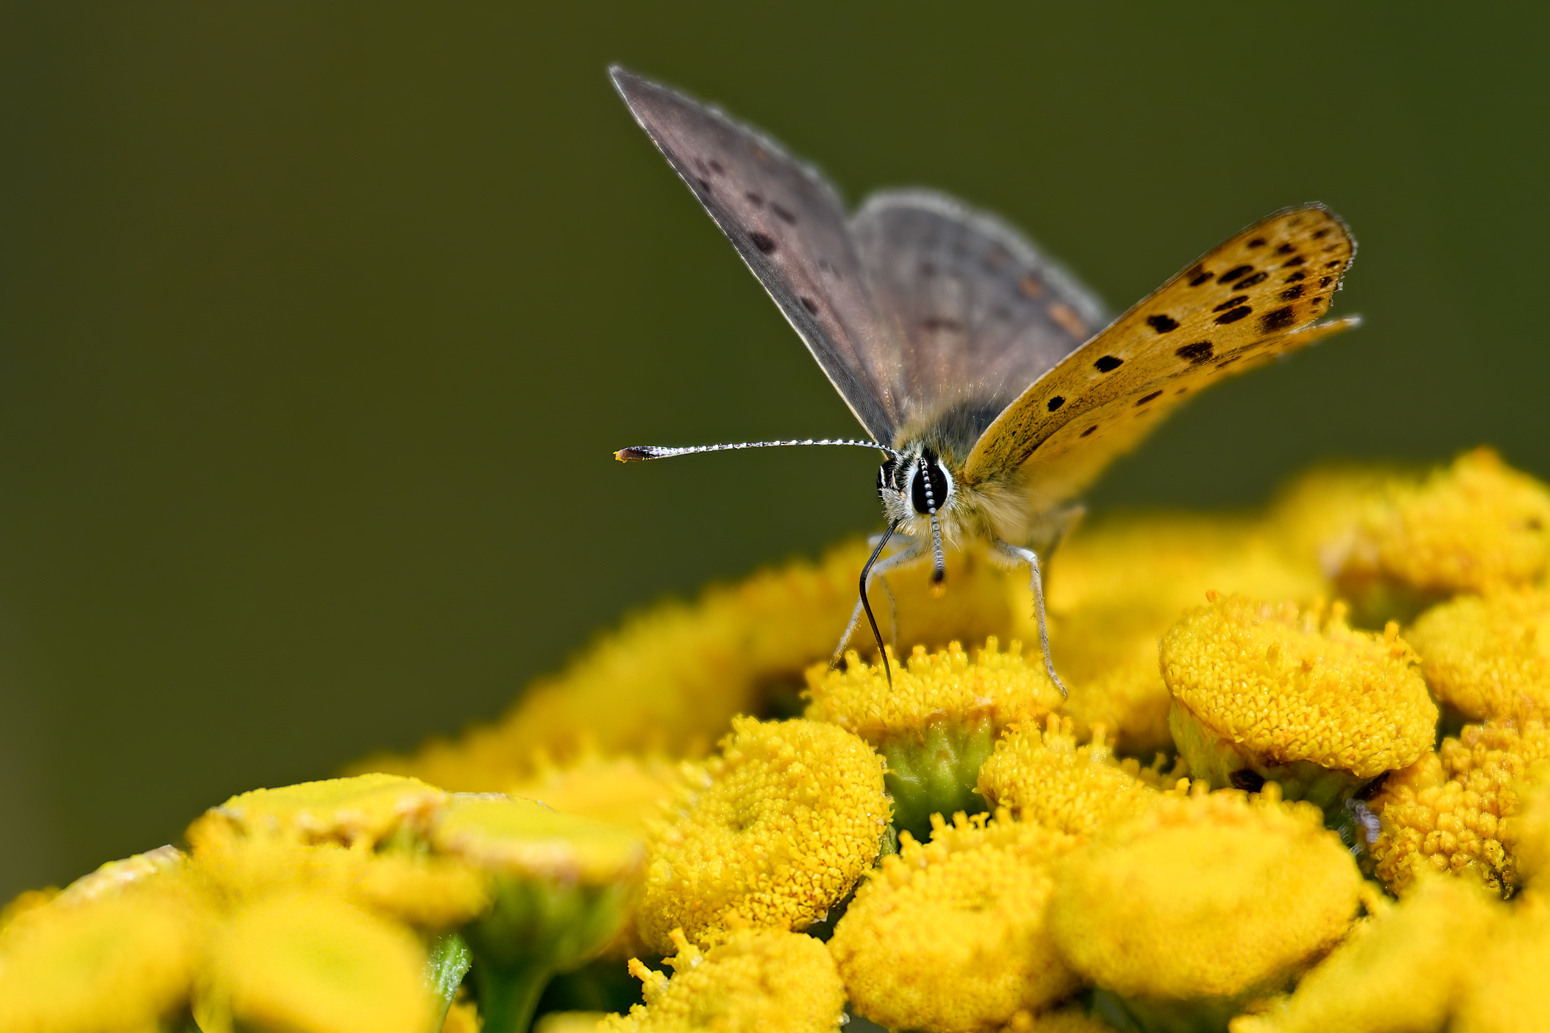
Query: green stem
x,y
508,996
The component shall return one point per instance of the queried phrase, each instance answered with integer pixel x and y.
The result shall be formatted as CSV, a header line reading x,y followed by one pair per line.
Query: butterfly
x,y
990,379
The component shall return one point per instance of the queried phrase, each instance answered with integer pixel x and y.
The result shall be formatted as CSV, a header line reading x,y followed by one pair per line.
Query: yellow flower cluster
x,y
756,981
1184,843
1044,779
1472,528
1292,697
329,907
774,832
1453,810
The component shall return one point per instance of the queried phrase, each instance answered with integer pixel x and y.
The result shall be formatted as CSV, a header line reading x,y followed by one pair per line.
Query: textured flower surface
x,y
1302,781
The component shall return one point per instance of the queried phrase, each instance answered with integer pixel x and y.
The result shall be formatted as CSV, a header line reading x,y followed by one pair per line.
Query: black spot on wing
x,y
1280,319
939,324
1088,431
1233,316
1161,323
1285,249
1318,234
1056,403
809,304
1195,353
1232,274
1147,398
716,167
1108,364
753,198
1250,281
1257,242
1198,275
1292,293
1232,302
783,215
1325,281
1299,275
1294,260
763,241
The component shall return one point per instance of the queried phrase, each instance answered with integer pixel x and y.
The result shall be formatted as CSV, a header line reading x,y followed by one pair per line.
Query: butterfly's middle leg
x,y
1017,555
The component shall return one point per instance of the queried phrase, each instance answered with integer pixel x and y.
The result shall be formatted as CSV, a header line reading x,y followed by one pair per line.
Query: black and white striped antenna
x,y
640,453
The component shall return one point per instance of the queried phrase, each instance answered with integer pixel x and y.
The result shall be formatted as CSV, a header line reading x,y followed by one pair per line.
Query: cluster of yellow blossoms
x,y
1302,782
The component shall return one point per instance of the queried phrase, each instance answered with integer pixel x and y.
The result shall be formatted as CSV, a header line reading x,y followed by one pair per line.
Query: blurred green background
x,y
318,323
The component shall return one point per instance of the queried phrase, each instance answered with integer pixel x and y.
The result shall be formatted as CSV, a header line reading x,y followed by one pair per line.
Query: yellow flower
x,y
1287,697
624,791
774,832
561,889
116,962
1046,780
757,981
950,936
1103,894
362,810
1115,587
305,963
1472,527
1446,812
1488,656
1403,971
1527,835
1507,979
1203,902
936,723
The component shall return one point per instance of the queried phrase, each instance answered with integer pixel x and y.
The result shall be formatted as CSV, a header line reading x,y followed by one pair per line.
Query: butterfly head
x,y
917,492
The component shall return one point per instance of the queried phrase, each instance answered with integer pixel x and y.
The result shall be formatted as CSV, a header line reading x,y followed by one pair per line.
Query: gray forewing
x,y
977,311
789,226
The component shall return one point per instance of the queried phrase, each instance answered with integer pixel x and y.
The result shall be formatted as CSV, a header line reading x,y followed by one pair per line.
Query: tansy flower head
x,y
1119,584
936,723
1283,696
561,888
949,936
1472,527
363,810
1044,778
306,963
626,791
1447,812
1527,835
1506,991
1403,970
101,960
773,833
1203,902
756,981
1488,656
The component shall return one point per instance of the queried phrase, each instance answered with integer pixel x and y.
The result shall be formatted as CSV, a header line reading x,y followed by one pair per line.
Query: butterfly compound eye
x,y
930,485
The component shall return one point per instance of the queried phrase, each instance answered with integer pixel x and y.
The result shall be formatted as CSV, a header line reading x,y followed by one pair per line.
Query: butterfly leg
x,y
913,551
1018,555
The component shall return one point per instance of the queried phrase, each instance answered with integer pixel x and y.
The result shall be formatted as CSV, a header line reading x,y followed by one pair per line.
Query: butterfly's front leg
x,y
1017,554
914,549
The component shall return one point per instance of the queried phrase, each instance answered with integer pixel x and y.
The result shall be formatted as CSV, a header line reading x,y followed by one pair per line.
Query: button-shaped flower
x,y
950,936
771,833
936,723
1203,903
1268,693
